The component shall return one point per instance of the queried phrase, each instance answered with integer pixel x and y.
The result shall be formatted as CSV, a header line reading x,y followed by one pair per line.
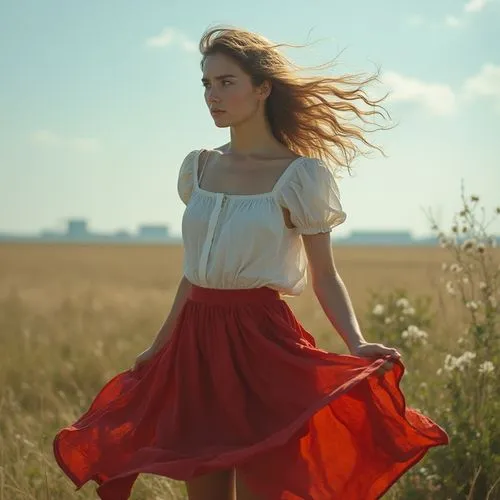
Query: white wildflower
x,y
461,341
409,311
453,363
450,288
439,371
465,280
444,242
486,367
402,302
482,285
455,268
471,305
469,245
481,247
415,335
493,301
378,310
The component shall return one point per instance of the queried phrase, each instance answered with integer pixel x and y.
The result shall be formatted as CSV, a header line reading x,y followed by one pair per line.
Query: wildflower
x,y
439,371
409,311
450,288
444,267
486,367
402,302
444,242
455,268
414,334
465,280
481,247
471,305
482,285
461,341
378,310
465,360
454,228
493,301
465,229
474,198
468,245
452,363
388,320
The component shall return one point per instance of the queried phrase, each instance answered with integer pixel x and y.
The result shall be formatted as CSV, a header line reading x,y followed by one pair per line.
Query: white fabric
x,y
241,241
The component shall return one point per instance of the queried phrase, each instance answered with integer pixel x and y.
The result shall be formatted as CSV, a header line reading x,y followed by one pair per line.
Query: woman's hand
x,y
144,357
373,350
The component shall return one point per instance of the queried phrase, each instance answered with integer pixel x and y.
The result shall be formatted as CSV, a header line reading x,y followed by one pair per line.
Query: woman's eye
x,y
226,81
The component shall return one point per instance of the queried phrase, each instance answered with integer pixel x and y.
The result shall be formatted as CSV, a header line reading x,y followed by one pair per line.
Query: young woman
x,y
233,396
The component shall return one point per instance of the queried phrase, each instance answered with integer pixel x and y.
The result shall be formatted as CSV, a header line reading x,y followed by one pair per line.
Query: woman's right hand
x,y
144,357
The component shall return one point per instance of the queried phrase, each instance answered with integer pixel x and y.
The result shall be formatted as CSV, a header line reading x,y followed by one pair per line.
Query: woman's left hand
x,y
373,350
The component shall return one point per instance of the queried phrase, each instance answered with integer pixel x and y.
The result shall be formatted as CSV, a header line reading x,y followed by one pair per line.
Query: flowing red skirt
x,y
242,384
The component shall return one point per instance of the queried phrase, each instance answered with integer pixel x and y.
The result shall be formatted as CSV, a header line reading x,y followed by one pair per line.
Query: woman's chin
x,y
221,123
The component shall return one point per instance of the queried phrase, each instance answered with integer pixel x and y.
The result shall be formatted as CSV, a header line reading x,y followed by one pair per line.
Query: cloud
x,y
485,84
170,37
471,7
475,5
437,98
48,139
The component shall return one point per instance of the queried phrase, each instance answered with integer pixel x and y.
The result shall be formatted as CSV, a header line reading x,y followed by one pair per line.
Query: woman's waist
x,y
233,295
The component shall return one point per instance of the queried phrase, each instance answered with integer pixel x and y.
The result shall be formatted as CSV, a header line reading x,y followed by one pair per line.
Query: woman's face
x,y
229,89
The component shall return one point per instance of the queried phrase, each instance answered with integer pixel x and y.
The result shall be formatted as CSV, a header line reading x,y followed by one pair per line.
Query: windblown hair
x,y
308,114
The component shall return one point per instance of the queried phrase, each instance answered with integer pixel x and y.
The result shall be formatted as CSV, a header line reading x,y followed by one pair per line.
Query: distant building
x,y
153,232
77,228
379,238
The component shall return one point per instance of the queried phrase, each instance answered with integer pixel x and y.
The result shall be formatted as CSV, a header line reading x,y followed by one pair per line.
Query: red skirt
x,y
242,384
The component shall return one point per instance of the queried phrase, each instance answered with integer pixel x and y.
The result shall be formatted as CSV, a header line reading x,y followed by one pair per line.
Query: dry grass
x,y
72,316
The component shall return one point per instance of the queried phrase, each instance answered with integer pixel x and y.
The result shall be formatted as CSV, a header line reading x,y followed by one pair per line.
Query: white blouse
x,y
241,240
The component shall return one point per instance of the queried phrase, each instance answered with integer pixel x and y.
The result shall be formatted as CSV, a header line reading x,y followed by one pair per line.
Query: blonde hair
x,y
305,112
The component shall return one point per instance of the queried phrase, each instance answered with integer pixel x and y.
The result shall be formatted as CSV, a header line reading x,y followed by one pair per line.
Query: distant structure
x,y
77,231
77,228
379,238
153,233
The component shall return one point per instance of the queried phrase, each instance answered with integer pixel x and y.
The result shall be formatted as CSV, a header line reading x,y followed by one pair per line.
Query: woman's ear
x,y
265,89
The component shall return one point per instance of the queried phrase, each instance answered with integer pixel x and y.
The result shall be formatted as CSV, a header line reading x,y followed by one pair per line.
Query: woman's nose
x,y
212,96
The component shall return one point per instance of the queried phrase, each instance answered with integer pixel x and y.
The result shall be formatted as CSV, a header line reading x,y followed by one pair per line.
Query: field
x,y
72,316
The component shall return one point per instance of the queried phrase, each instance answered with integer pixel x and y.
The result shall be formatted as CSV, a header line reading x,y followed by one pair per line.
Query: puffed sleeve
x,y
185,180
312,196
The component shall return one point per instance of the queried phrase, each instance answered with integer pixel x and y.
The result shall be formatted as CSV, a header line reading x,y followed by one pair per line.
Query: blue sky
x,y
100,101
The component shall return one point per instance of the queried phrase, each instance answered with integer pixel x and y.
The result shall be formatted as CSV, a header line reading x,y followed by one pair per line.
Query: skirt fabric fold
x,y
242,384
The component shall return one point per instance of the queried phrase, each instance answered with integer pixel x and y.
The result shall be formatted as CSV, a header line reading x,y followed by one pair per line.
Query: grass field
x,y
72,316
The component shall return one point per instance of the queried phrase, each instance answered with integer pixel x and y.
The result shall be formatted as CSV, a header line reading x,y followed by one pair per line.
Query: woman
x,y
233,396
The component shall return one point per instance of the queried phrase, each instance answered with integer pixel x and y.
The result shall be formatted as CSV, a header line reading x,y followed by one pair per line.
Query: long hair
x,y
310,115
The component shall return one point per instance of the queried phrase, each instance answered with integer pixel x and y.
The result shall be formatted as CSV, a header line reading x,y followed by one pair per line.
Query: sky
x,y
101,101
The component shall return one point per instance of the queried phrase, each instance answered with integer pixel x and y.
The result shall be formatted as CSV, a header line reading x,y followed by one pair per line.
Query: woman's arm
x,y
330,289
334,298
168,326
